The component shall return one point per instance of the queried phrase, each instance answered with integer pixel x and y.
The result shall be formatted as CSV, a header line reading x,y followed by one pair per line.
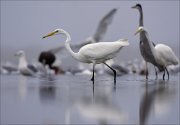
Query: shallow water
x,y
72,99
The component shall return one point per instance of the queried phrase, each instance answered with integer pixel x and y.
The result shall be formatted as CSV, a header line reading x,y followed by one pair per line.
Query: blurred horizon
x,y
23,23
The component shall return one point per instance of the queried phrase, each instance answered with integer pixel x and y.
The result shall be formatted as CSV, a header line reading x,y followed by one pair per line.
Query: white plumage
x,y
163,54
95,52
100,52
166,55
23,67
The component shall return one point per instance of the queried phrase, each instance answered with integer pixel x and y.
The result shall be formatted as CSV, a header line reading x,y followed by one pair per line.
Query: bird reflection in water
x,y
99,108
22,87
157,97
47,91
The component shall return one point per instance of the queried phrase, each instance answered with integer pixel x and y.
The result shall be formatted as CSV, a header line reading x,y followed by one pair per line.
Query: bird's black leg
x,y
92,79
156,72
164,74
114,71
167,72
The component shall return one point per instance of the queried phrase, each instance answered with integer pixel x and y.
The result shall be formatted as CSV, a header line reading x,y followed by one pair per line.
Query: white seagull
x,y
23,67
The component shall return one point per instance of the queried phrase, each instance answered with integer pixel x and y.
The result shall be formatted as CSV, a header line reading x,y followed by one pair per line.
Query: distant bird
x,y
9,68
48,58
144,45
24,67
100,31
95,52
161,53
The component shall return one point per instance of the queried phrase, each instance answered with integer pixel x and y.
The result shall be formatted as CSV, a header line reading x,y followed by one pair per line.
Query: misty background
x,y
23,23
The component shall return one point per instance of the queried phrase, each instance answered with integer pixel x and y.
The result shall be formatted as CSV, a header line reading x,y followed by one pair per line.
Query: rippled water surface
x,y
72,99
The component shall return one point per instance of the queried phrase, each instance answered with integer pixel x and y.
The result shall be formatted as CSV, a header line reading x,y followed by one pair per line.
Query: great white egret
x,y
24,67
95,53
48,57
144,46
162,53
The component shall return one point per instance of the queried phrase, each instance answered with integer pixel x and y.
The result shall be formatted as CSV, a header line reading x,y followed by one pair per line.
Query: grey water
x,y
69,99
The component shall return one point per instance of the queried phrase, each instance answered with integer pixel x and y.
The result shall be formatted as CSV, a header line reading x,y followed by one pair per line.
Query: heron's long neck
x,y
141,17
67,45
146,35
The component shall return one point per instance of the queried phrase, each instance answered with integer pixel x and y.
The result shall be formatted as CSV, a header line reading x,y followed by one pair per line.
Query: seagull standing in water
x,y
23,67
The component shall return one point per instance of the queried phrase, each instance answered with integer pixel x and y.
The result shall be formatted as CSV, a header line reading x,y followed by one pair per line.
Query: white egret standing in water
x,y
95,53
49,57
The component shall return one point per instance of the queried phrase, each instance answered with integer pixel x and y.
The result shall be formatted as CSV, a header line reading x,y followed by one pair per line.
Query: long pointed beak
x,y
50,34
133,7
137,31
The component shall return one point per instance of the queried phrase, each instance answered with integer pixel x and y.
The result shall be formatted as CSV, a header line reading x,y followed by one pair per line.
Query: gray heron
x,y
144,45
162,54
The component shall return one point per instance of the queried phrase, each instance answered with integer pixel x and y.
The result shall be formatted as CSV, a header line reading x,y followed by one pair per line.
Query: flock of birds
x,y
96,52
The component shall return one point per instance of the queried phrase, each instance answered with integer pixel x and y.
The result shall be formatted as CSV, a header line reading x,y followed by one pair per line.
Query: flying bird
x,y
100,31
24,67
161,53
94,53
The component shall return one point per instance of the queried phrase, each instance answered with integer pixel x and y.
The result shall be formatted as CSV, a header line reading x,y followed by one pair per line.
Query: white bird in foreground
x,y
95,53
162,53
24,67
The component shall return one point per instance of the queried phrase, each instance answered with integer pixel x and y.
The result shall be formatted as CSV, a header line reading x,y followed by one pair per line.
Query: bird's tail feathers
x,y
124,42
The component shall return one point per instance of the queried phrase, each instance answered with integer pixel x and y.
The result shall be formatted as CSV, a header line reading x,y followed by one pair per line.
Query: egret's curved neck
x,y
67,45
141,17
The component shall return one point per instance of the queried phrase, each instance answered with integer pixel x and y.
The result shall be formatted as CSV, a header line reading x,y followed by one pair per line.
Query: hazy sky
x,y
24,23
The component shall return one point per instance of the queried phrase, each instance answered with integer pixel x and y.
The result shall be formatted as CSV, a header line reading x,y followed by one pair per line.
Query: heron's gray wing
x,y
103,25
57,49
33,68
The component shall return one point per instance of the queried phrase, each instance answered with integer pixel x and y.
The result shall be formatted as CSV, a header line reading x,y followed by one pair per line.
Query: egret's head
x,y
20,53
55,32
140,29
137,6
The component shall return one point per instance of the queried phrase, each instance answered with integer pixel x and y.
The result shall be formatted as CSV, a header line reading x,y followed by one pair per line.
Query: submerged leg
x,y
114,71
92,79
156,72
167,72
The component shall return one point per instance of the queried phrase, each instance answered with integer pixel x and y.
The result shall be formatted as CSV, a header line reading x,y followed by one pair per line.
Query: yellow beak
x,y
137,31
133,7
50,34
